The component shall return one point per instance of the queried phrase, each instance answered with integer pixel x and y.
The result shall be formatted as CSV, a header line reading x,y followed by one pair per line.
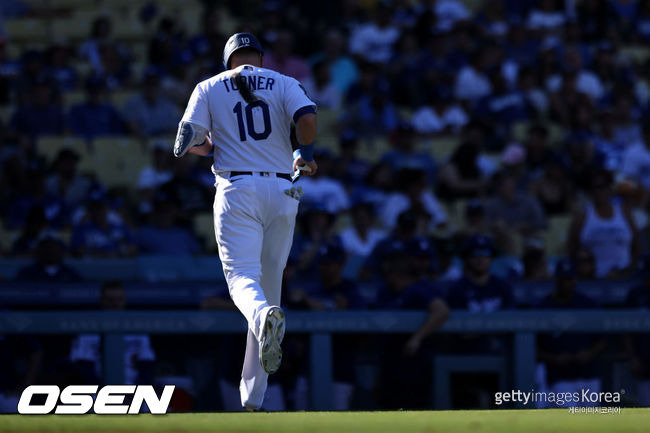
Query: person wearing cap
x,y
479,291
99,236
569,359
637,349
40,114
409,225
332,291
405,359
421,252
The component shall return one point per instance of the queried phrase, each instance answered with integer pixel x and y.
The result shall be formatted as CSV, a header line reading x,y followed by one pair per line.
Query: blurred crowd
x,y
546,103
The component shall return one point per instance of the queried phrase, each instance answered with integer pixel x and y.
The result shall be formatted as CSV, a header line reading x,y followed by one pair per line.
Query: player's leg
x,y
238,231
278,235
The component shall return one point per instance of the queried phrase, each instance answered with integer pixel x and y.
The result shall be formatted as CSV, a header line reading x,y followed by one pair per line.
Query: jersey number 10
x,y
250,123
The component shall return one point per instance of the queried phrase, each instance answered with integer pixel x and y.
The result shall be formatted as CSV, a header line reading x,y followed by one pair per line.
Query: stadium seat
x,y
555,236
50,146
27,29
441,148
75,28
120,97
204,228
373,150
105,269
117,161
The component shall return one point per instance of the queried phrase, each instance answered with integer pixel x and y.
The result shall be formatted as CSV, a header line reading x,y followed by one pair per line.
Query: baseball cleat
x,y
272,335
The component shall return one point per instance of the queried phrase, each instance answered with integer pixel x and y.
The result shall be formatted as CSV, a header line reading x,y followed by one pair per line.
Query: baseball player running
x,y
242,117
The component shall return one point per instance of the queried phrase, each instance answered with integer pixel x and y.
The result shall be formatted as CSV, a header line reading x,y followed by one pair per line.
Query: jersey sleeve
x,y
197,111
296,100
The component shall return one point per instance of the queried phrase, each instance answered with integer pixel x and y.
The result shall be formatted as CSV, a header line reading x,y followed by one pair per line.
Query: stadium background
x,y
439,120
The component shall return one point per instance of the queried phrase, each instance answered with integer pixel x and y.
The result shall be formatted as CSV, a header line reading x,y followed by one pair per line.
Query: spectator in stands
x,y
440,115
371,113
316,229
86,350
553,189
323,188
95,117
400,379
154,176
321,88
569,359
361,237
405,155
410,224
66,182
636,345
186,190
41,114
376,186
511,213
163,236
462,176
48,266
343,70
373,41
34,225
98,236
478,290
421,253
58,67
411,192
349,168
534,260
101,38
151,113
605,228
282,60
472,82
636,160
503,106
35,194
475,222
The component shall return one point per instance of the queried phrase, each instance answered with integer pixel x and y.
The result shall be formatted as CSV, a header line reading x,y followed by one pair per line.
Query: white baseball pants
x,y
253,223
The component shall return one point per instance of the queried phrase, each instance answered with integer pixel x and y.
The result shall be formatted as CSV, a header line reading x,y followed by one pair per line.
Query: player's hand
x,y
299,162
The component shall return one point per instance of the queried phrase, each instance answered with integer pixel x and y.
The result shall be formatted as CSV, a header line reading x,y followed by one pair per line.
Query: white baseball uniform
x,y
253,217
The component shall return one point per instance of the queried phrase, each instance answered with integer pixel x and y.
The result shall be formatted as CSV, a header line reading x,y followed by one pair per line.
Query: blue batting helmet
x,y
237,42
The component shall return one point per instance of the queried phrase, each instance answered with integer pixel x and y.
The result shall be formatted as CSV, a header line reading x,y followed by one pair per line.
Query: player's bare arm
x,y
204,149
306,128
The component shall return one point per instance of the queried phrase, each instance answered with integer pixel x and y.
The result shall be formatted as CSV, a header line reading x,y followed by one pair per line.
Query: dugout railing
x,y
521,326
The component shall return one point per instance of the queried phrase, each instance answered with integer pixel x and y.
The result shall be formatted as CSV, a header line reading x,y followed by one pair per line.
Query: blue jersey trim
x,y
302,111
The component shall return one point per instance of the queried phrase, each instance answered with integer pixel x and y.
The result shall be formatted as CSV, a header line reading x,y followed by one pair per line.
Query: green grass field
x,y
494,421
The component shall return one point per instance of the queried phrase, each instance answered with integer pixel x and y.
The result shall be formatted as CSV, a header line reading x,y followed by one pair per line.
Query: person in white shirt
x,y
321,89
374,41
361,237
636,160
